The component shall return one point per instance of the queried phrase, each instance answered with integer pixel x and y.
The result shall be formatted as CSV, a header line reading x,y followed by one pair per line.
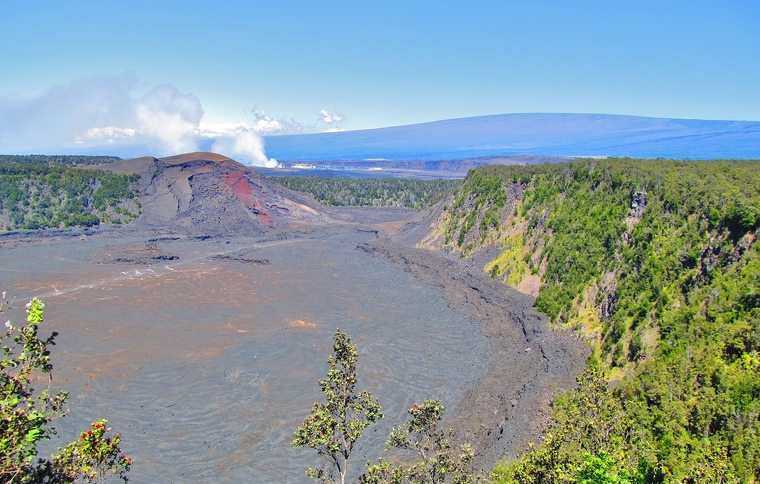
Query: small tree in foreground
x,y
25,417
439,460
333,427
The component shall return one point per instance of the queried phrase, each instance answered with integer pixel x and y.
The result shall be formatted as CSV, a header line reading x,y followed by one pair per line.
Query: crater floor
x,y
204,352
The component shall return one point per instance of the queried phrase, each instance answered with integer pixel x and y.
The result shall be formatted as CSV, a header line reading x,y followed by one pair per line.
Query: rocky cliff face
x,y
207,193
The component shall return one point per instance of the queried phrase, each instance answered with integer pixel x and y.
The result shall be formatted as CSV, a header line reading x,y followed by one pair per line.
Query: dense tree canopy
x,y
372,192
72,160
656,263
40,196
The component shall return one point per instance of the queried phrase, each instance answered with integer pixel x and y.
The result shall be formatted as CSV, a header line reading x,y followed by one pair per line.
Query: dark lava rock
x,y
132,253
243,256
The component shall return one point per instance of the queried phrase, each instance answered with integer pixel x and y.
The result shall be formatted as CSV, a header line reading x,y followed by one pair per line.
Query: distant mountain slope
x,y
536,134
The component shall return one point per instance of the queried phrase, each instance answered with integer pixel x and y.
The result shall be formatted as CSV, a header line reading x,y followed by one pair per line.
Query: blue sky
x,y
303,66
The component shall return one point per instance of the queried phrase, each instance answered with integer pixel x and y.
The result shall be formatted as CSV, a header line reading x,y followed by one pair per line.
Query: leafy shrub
x,y
25,415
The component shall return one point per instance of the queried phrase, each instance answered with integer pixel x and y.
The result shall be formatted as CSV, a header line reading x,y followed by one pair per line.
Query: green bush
x,y
25,416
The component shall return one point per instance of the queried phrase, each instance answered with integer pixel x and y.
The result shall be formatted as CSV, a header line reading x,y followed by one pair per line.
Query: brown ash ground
x,y
207,362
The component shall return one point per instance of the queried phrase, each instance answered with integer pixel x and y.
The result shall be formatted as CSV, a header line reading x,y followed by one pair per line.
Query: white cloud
x,y
269,126
109,134
266,125
328,117
103,112
103,115
64,114
95,111
169,118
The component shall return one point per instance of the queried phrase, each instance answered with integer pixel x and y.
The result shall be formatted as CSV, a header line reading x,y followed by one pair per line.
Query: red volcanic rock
x,y
242,190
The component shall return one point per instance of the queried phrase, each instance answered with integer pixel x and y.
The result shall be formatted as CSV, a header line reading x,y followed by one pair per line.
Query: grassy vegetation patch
x,y
511,264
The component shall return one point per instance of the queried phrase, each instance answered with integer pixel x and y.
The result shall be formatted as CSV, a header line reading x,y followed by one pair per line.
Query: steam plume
x,y
101,114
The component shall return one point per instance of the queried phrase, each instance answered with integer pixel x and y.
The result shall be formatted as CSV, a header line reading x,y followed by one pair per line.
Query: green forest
x,y
371,192
70,160
40,196
655,263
